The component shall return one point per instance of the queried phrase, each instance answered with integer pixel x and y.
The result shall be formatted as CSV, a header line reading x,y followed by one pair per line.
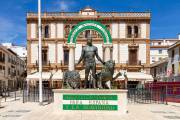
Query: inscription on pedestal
x,y
90,102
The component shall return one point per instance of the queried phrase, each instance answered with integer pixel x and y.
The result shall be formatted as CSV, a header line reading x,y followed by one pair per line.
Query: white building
x,y
159,70
21,51
130,48
159,48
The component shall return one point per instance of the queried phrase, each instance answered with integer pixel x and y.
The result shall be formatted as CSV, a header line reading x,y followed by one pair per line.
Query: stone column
x,y
107,54
71,56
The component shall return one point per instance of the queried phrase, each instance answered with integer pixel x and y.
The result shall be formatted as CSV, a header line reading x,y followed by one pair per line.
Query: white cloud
x,y
65,5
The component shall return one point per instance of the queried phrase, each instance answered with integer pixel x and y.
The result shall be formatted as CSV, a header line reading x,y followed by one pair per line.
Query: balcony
x,y
46,65
134,63
133,35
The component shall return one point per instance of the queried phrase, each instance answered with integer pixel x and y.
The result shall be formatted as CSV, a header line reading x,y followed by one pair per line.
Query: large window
x,y
136,31
153,59
46,31
129,31
2,57
44,57
172,68
133,31
67,30
66,56
160,51
87,33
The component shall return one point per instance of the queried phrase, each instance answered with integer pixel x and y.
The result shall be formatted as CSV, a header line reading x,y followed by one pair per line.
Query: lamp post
x,y
40,52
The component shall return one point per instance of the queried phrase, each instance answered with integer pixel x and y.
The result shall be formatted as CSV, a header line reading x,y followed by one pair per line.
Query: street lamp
x,y
40,53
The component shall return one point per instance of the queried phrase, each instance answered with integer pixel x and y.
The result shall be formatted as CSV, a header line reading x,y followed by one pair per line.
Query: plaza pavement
x,y
16,110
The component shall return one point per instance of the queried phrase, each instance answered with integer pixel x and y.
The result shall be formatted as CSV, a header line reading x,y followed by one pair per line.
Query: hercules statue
x,y
88,55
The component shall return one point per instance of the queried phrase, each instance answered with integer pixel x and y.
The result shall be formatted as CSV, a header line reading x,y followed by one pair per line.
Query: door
x,y
133,57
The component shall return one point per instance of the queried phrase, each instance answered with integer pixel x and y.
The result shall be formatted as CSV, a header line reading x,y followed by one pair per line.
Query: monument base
x,y
91,100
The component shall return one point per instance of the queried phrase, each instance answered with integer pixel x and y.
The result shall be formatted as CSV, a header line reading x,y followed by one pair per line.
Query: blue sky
x,y
165,21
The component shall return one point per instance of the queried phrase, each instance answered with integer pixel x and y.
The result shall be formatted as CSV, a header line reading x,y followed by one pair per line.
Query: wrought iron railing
x,y
103,14
134,62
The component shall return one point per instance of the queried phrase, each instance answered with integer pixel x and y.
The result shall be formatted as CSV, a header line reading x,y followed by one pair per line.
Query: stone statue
x,y
72,79
89,52
92,79
106,75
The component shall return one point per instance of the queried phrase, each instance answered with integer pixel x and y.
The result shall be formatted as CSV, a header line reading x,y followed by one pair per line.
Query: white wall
x,y
115,52
53,30
52,53
142,53
122,30
154,52
123,53
60,53
143,30
33,30
60,30
34,52
114,30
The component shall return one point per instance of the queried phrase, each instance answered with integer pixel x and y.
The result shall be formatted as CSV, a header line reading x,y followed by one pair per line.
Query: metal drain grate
x,y
11,116
172,117
158,112
22,111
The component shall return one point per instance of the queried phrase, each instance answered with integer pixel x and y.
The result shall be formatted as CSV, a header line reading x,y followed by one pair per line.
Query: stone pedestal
x,y
103,101
107,52
71,57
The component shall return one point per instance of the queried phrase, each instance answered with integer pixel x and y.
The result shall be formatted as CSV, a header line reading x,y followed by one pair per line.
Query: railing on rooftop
x,y
103,14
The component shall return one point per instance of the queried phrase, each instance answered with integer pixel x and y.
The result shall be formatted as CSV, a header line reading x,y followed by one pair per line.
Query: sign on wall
x,y
90,102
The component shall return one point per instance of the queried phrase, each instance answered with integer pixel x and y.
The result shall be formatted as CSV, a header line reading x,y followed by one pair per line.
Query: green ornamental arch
x,y
90,25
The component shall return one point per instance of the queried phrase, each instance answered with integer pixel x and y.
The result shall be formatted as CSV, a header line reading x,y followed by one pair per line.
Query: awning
x,y
137,76
35,76
57,75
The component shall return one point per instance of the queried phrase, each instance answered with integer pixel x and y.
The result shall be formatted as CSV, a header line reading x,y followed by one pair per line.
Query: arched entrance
x,y
88,25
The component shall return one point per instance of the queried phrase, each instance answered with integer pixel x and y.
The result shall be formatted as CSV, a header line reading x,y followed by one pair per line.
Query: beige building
x,y
173,68
130,49
159,70
12,69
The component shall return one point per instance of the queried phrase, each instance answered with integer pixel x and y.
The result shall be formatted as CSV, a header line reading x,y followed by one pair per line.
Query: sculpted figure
x,y
89,52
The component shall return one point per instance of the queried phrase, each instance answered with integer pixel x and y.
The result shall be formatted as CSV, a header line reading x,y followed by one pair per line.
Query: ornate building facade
x,y
130,32
173,67
12,69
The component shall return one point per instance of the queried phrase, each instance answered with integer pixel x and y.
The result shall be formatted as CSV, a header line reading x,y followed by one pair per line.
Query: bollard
x,y
5,94
0,101
15,95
